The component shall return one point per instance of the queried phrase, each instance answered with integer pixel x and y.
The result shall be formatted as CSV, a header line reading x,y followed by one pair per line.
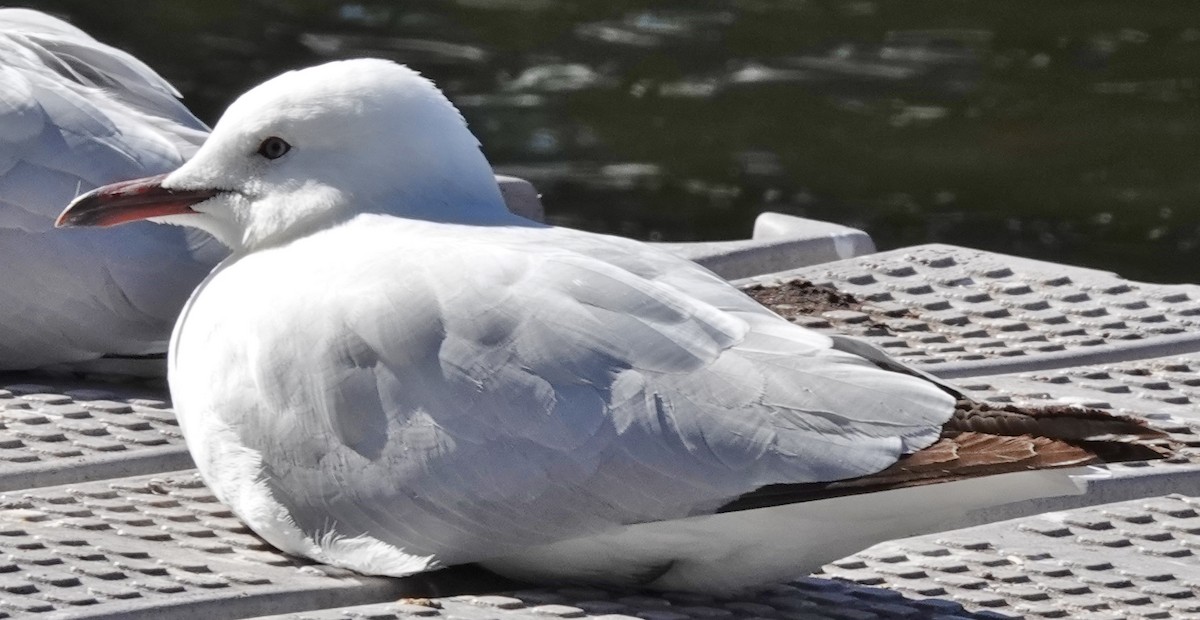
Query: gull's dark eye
x,y
274,148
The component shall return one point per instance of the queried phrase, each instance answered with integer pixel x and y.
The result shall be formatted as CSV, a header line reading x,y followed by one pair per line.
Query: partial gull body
x,y
76,114
392,373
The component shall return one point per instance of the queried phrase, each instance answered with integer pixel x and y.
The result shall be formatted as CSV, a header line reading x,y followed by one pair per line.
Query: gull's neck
x,y
464,200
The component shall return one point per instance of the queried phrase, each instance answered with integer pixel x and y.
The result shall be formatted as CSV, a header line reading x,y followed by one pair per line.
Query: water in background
x,y
1062,130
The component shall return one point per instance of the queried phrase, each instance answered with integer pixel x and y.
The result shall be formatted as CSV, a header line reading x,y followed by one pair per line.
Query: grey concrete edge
x,y
1159,346
359,590
1125,482
792,242
779,241
119,464
795,271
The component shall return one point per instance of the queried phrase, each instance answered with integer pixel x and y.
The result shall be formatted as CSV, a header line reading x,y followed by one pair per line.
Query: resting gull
x,y
392,373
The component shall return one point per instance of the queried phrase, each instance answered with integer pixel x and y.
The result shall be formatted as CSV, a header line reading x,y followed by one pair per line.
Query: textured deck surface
x,y
62,432
100,517
947,307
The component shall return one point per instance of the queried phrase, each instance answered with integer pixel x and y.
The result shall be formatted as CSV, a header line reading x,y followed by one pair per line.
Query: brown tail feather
x,y
1111,438
983,440
1055,421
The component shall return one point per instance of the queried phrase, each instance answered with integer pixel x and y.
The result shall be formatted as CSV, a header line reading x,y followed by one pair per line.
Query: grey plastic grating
x,y
1133,559
967,309
1165,390
152,547
56,434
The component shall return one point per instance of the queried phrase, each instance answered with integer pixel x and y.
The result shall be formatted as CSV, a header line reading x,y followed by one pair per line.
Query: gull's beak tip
x,y
69,216
129,201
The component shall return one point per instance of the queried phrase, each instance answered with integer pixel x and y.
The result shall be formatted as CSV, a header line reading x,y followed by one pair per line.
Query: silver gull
x,y
392,373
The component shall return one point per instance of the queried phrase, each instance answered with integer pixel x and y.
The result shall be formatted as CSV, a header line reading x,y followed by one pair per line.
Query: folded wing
x,y
469,402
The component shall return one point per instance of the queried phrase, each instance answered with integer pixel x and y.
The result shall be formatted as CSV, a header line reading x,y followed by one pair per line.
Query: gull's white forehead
x,y
342,90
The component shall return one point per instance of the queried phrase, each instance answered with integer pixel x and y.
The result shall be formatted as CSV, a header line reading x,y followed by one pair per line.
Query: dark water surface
x,y
1061,130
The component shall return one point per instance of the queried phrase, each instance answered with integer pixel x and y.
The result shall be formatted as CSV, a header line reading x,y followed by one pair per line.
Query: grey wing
x,y
519,398
76,56
75,114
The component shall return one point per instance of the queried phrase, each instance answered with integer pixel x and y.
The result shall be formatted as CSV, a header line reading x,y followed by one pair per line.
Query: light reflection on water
x,y
1035,129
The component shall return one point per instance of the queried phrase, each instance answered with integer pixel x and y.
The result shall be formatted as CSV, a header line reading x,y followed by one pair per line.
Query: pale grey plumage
x,y
76,114
526,389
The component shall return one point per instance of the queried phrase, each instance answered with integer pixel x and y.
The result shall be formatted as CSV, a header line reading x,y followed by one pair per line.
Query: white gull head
x,y
312,147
